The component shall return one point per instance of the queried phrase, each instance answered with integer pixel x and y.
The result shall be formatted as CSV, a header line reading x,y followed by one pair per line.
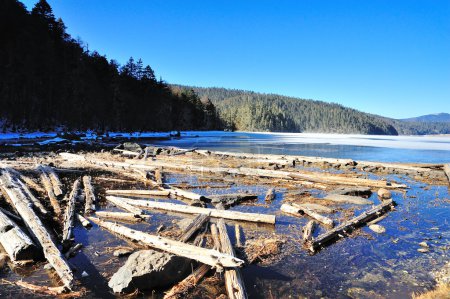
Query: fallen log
x,y
56,182
232,199
308,230
232,215
313,207
185,194
131,217
33,199
70,212
123,204
89,195
233,279
30,182
183,287
50,193
15,242
447,171
203,255
349,226
237,231
348,199
139,193
270,195
72,250
127,152
182,152
60,292
194,226
11,215
84,222
159,176
21,203
289,209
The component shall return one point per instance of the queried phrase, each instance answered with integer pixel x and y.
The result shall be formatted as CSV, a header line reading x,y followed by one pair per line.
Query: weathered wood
x,y
232,199
50,193
308,230
447,171
159,176
15,242
233,279
182,288
203,255
123,204
70,212
89,195
72,250
348,199
287,208
30,182
39,206
84,222
237,231
270,195
139,193
215,236
56,182
233,215
176,192
182,152
126,152
60,292
350,225
313,207
131,217
22,205
194,226
11,215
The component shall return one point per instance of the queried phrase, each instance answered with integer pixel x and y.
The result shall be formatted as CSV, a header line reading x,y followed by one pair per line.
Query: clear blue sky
x,y
385,57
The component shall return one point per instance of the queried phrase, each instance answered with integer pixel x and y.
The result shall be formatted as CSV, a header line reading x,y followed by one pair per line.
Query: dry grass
x,y
442,291
263,250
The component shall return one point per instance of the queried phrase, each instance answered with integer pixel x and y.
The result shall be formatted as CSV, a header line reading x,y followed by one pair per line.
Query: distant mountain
x,y
438,117
251,111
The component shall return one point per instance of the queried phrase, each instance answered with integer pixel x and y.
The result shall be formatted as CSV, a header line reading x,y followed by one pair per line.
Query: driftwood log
x,y
15,242
194,226
70,212
22,205
124,204
349,226
203,255
447,171
122,216
139,193
84,222
232,215
290,209
308,230
49,189
270,195
233,278
89,195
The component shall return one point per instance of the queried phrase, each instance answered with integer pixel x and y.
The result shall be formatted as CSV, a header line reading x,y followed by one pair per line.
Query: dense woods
x,y
250,111
49,79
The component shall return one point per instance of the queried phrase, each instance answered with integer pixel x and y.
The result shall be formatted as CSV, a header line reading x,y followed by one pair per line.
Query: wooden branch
x,y
122,203
350,225
56,183
84,222
237,231
15,242
270,195
121,216
287,208
176,192
233,279
21,203
203,255
194,226
233,215
308,230
159,176
70,212
139,193
89,195
59,292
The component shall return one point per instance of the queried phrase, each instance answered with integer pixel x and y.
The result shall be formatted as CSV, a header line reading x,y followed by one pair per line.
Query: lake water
x,y
425,149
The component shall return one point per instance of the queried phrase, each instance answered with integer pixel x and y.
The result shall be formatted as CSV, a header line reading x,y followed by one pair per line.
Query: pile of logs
x,y
24,225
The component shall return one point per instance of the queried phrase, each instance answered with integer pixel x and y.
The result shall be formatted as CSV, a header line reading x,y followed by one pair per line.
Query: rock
x,y
377,228
84,274
358,293
384,194
352,191
148,270
123,251
424,244
423,250
132,146
3,259
348,199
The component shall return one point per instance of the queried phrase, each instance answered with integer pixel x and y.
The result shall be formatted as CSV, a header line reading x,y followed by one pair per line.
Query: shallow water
x,y
369,265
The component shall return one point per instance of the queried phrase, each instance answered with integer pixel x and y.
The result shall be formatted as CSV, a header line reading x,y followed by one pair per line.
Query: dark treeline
x,y
250,111
49,79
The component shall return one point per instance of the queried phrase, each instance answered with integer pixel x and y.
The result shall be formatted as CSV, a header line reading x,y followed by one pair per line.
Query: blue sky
x,y
384,57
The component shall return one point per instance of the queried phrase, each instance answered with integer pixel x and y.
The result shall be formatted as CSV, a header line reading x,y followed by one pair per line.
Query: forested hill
x,y
250,111
48,79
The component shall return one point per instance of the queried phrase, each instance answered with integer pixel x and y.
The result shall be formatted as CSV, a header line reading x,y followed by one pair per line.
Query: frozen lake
x,y
426,149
